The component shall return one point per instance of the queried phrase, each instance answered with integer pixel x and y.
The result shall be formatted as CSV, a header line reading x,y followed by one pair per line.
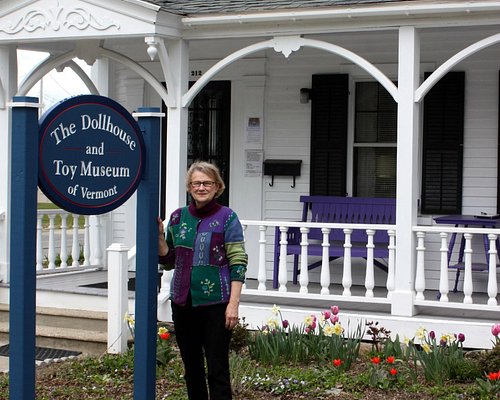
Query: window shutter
x,y
443,146
329,134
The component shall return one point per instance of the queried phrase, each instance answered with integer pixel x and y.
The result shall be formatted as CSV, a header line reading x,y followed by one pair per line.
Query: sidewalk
x,y
4,364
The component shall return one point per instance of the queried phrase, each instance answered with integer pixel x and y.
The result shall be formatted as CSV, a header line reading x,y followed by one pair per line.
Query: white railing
x,y
325,281
60,247
423,267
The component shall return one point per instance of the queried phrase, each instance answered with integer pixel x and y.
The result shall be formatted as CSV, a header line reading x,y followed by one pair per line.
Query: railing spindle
x,y
39,243
97,252
468,287
325,262
492,271
444,287
391,271
304,269
51,251
370,273
282,272
420,273
347,272
64,246
261,277
75,248
86,242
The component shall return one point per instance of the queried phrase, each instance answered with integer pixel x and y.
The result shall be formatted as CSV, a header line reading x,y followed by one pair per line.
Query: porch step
x,y
65,329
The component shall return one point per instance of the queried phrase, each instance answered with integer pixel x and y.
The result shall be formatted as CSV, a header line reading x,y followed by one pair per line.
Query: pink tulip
x,y
334,319
335,309
495,330
326,314
285,323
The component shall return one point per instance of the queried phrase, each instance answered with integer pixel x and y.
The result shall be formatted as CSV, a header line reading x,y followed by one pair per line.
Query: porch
x,y
402,299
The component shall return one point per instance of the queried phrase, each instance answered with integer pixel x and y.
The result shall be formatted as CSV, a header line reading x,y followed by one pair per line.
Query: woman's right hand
x,y
162,243
161,228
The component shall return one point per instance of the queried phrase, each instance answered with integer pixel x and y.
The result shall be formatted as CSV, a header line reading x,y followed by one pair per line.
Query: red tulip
x,y
337,362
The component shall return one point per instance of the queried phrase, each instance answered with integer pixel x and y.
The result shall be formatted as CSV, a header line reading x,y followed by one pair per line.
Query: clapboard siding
x,y
287,122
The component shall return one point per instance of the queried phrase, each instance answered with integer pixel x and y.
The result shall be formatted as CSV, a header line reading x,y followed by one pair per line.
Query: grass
x,y
57,221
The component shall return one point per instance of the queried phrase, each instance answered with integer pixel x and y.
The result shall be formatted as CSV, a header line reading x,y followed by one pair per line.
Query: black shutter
x,y
443,146
329,134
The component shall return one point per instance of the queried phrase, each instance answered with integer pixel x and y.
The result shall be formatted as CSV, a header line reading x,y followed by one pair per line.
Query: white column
x,y
407,171
177,127
8,87
117,298
100,75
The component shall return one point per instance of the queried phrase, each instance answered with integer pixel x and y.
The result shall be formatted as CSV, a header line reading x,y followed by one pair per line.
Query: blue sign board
x,y
91,154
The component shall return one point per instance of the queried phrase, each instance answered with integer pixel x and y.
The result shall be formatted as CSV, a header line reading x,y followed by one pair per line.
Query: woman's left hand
x,y
231,315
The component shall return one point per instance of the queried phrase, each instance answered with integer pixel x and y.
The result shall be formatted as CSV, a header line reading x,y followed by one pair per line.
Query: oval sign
x,y
91,154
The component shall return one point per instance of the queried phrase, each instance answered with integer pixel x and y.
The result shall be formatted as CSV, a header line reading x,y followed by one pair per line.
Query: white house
x,y
391,99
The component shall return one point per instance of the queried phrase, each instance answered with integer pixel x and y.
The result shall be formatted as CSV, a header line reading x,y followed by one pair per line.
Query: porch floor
x,y
88,282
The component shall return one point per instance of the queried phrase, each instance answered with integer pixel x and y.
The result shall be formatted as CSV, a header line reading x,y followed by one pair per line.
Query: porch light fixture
x,y
305,95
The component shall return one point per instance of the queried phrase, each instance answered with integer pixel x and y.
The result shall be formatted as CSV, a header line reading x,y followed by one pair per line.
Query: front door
x,y
209,129
208,134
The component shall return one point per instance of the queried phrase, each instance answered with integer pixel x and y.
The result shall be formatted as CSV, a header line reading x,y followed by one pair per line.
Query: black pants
x,y
201,333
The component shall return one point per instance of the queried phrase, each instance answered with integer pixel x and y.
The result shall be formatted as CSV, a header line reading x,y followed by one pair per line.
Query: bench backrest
x,y
355,210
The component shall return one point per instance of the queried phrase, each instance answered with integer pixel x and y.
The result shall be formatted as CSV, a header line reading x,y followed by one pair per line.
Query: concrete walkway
x,y
4,364
4,361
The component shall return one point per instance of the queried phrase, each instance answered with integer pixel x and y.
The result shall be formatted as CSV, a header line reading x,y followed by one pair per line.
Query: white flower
x,y
329,330
420,334
275,310
272,323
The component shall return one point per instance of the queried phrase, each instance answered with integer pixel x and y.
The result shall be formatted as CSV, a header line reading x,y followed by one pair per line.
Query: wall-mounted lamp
x,y
305,95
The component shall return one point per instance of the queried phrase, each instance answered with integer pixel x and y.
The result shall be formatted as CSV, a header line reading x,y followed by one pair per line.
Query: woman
x,y
204,243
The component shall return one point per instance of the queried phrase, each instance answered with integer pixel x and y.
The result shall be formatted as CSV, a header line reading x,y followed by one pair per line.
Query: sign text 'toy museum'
x,y
91,155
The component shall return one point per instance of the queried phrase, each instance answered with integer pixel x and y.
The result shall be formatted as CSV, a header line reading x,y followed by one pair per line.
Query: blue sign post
x,y
147,260
89,157
23,248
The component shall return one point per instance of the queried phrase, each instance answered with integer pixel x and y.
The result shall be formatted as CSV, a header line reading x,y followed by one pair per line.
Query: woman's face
x,y
202,188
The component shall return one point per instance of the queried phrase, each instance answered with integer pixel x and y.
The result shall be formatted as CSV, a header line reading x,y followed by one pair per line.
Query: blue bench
x,y
334,209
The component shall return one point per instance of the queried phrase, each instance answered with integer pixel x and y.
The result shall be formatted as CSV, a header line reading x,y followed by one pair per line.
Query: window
x,y
375,134
375,137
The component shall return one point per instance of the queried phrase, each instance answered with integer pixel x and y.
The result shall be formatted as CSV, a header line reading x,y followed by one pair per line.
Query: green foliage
x,y
440,360
240,336
164,342
490,360
489,387
320,339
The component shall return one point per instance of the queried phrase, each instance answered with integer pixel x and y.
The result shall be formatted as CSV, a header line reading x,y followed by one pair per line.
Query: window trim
x,y
353,80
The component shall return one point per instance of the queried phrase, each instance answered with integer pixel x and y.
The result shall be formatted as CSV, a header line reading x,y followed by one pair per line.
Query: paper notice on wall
x,y
253,162
254,130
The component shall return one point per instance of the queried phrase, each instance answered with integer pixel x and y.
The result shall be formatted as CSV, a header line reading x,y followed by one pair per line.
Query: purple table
x,y
468,221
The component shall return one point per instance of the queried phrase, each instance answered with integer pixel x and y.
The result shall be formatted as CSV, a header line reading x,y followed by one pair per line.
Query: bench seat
x,y
334,209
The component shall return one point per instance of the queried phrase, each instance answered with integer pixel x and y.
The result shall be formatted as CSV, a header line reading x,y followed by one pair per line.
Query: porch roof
x,y
196,7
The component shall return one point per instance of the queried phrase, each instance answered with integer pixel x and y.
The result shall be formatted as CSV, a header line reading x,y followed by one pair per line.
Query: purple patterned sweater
x,y
207,252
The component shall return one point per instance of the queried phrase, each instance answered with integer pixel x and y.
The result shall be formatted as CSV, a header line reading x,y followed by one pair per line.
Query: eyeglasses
x,y
207,184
